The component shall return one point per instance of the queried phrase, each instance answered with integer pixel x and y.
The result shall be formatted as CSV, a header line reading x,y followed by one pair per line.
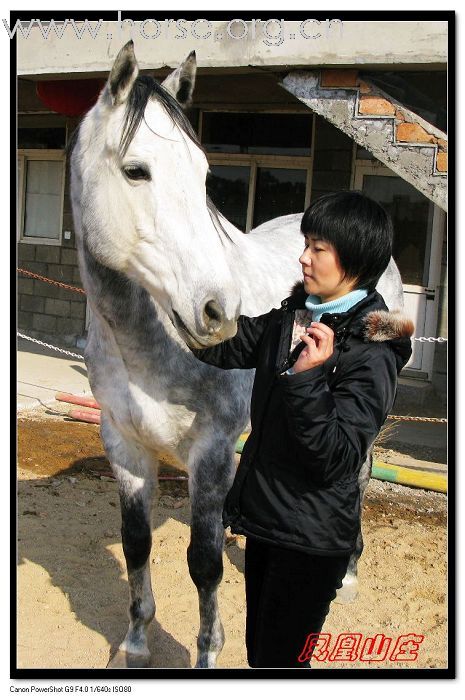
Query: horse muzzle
x,y
211,328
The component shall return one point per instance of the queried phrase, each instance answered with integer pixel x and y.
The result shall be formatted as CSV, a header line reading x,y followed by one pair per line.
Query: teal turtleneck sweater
x,y
344,303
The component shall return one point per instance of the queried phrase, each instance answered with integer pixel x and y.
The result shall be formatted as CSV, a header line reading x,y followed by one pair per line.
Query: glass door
x,y
418,227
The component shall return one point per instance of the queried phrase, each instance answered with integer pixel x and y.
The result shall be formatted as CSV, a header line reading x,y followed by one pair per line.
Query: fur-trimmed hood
x,y
387,325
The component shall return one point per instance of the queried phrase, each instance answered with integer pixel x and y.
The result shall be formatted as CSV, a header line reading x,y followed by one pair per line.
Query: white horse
x,y
163,272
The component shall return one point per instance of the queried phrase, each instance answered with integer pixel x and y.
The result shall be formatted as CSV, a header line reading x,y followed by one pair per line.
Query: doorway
x,y
418,234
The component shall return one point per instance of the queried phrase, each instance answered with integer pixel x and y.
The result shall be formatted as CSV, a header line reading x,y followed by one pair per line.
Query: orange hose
x,y
87,401
85,416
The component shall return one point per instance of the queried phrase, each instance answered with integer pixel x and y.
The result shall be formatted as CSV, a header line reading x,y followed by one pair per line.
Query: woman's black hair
x,y
360,231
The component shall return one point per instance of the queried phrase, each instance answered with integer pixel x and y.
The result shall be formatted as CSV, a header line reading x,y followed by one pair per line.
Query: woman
x,y
326,375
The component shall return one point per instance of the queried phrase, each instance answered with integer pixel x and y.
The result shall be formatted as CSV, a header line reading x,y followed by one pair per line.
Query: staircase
x,y
407,144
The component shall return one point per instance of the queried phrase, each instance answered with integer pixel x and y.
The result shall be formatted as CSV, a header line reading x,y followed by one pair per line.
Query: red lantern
x,y
70,97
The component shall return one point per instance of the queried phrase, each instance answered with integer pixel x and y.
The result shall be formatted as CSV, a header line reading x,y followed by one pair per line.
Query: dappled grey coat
x,y
297,482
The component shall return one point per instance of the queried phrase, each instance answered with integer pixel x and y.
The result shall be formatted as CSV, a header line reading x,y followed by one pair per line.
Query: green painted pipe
x,y
392,472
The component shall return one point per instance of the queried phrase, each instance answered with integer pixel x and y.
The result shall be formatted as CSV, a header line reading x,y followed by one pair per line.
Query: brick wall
x,y
45,311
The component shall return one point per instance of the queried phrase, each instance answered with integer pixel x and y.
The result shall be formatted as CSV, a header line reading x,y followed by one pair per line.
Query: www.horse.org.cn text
x,y
271,32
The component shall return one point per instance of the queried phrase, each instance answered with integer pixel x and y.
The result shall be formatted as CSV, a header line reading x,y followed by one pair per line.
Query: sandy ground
x,y
72,593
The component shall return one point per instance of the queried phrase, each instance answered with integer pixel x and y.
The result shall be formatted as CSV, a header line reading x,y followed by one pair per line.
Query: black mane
x,y
144,88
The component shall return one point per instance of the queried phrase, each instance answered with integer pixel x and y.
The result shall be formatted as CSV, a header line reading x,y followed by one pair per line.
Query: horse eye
x,y
135,172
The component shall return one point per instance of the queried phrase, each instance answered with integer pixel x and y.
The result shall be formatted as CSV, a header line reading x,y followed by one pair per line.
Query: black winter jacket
x,y
297,481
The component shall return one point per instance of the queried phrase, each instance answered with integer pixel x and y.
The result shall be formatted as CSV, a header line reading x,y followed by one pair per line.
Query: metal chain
x,y
422,339
421,420
80,357
47,279
52,347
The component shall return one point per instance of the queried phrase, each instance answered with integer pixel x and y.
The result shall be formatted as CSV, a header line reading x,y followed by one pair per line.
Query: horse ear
x,y
123,74
180,83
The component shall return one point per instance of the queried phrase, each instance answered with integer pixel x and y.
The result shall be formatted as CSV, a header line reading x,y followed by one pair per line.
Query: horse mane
x,y
144,88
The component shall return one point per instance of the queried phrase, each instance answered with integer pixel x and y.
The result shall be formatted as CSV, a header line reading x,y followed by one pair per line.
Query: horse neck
x,y
266,267
130,314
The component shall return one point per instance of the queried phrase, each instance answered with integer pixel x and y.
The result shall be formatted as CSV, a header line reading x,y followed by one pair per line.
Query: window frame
x,y
257,160
24,155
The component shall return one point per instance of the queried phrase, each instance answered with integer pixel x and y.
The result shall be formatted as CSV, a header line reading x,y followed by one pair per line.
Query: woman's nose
x,y
305,258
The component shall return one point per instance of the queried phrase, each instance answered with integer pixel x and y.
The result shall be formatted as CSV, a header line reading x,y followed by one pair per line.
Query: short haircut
x,y
360,231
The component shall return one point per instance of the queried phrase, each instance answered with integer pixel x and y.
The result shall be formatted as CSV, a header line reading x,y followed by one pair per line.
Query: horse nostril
x,y
213,316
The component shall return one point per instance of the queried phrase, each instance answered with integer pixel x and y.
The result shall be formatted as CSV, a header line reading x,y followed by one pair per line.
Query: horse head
x,y
140,205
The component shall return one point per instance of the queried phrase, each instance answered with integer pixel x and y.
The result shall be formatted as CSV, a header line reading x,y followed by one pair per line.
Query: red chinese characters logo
x,y
316,646
351,646
406,648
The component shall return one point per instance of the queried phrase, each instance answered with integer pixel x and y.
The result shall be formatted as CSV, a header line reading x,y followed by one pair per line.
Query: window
x,y
40,137
260,164
40,195
278,191
236,132
228,187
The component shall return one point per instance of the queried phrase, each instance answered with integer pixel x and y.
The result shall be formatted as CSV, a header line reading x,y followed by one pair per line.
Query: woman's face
x,y
323,274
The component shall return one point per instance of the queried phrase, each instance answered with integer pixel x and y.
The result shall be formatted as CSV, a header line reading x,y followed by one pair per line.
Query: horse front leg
x,y
211,475
349,590
133,467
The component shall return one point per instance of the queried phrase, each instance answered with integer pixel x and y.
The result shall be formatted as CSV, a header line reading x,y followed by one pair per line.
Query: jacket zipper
x,y
284,341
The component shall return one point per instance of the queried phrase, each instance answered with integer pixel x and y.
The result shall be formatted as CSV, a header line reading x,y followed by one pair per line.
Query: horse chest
x,y
142,411
141,405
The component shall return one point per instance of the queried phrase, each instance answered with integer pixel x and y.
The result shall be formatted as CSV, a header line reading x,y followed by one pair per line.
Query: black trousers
x,y
288,597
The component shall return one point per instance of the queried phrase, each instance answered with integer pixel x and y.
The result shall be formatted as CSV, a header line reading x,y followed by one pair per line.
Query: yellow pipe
x,y
394,473
410,477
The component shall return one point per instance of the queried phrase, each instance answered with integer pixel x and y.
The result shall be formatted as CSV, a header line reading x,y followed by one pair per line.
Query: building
x,y
286,111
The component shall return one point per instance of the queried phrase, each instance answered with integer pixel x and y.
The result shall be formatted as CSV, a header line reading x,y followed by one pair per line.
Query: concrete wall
x,y
292,44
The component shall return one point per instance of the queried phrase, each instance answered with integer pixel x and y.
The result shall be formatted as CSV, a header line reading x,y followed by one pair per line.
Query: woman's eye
x,y
136,172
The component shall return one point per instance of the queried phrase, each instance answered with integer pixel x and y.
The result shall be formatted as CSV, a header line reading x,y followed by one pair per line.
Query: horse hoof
x,y
122,659
349,591
207,660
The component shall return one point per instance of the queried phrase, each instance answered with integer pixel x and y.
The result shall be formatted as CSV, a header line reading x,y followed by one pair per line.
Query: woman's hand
x,y
319,348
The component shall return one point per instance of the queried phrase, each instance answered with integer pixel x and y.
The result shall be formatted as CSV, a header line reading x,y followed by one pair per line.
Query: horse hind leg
x,y
348,592
211,475
133,468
